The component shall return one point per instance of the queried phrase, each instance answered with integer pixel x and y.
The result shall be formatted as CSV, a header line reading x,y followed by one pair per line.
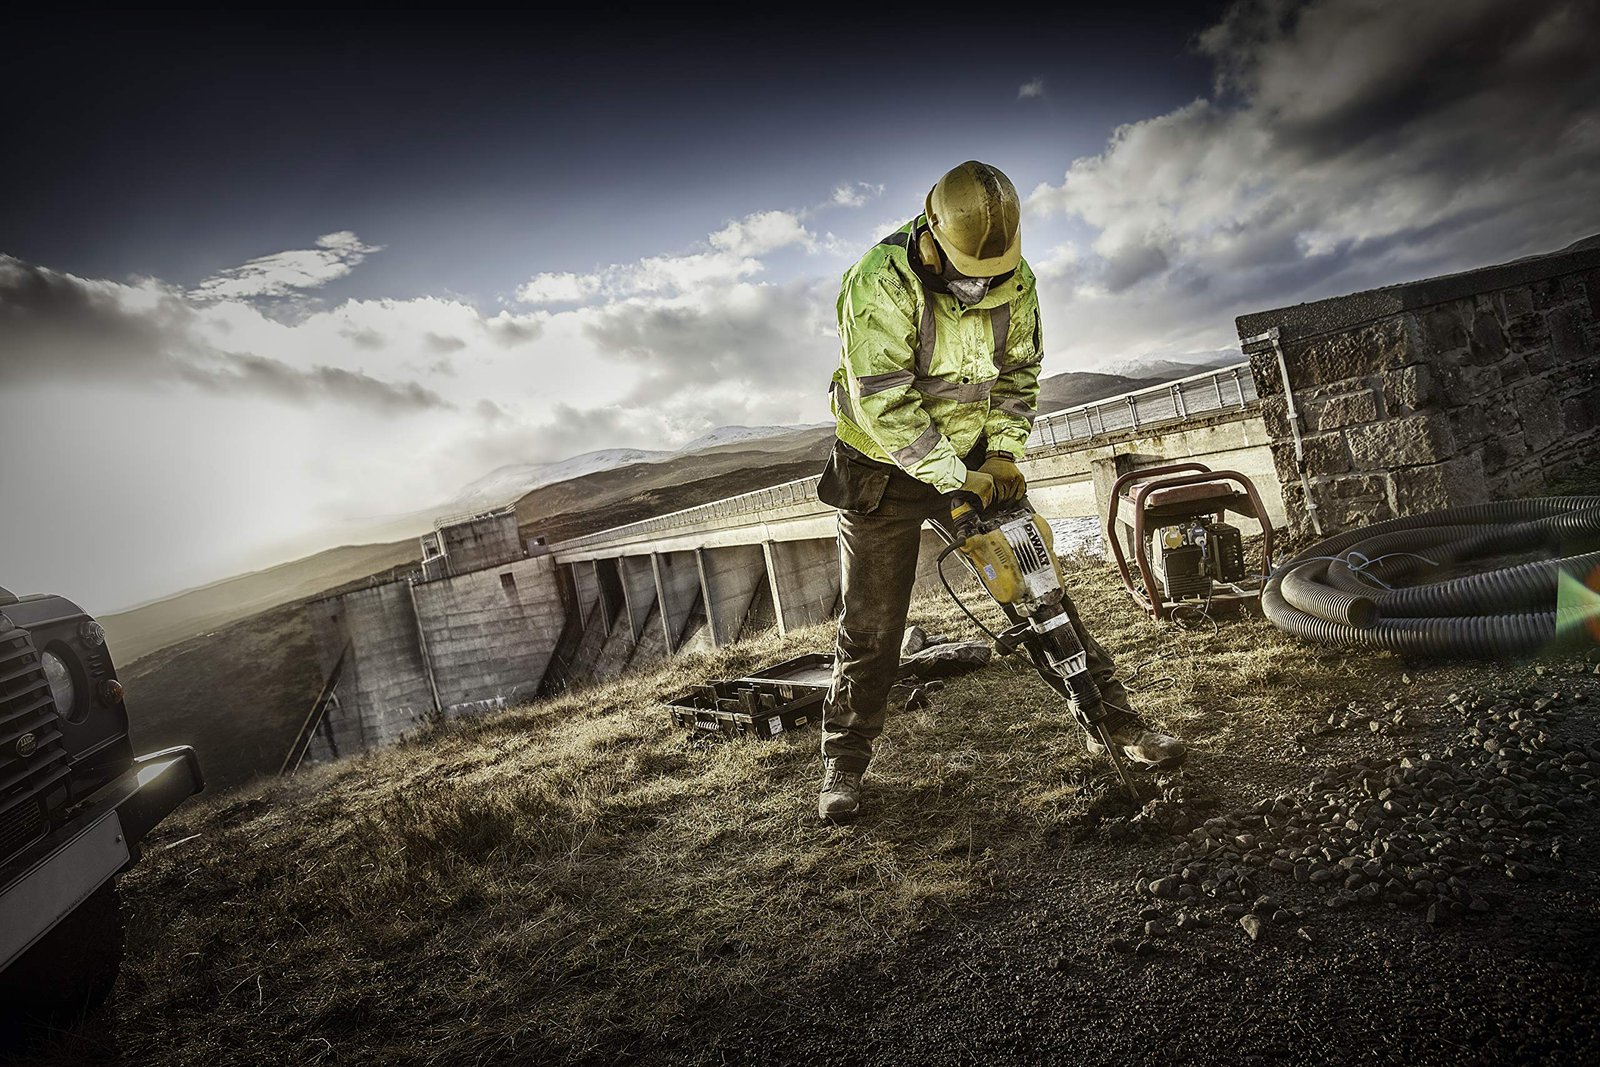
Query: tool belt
x,y
853,481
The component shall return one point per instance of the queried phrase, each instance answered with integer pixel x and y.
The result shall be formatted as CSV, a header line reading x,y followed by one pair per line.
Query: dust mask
x,y
969,290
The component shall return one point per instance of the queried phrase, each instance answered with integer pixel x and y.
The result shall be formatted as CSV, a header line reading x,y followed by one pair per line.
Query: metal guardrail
x,y
468,516
1225,389
803,491
1228,388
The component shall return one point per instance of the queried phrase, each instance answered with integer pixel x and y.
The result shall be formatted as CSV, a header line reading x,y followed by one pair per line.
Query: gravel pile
x,y
1439,832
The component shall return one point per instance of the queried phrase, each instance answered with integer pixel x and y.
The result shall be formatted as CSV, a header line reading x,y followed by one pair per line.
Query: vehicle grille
x,y
26,780
21,827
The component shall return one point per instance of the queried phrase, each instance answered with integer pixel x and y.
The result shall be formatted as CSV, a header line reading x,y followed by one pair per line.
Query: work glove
x,y
980,485
1009,484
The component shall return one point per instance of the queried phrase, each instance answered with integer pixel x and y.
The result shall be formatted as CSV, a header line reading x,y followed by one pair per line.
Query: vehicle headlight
x,y
63,688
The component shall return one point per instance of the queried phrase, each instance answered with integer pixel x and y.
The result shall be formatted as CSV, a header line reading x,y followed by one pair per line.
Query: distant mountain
x,y
1080,387
505,484
683,479
738,435
1171,366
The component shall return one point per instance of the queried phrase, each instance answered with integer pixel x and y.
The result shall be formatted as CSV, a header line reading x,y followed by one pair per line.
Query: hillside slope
x,y
144,629
238,694
628,494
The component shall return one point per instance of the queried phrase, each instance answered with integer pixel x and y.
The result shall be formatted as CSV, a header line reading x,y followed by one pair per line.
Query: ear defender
x,y
928,251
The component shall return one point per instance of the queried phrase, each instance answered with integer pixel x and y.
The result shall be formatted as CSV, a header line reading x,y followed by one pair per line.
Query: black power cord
x,y
939,566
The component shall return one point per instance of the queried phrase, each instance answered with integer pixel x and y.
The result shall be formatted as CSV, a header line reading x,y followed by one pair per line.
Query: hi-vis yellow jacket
x,y
922,375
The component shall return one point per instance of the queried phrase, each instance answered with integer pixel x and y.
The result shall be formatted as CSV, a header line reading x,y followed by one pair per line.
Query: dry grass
x,y
577,880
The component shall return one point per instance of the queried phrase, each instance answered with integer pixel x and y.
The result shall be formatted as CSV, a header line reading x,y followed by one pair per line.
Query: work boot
x,y
840,799
1140,744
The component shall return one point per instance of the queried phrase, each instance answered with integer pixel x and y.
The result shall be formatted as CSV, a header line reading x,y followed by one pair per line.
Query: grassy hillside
x,y
237,695
579,881
145,629
630,498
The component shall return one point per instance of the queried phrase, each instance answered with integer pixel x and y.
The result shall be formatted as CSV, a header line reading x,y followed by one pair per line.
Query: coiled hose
x,y
1347,591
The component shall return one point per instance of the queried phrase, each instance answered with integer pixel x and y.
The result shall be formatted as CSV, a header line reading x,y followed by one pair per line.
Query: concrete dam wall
x,y
419,650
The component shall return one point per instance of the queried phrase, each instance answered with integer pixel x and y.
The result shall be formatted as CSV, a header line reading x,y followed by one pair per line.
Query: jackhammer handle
x,y
965,510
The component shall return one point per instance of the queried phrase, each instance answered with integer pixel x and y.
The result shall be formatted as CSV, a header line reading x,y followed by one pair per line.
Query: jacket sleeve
x,y
878,328
1014,400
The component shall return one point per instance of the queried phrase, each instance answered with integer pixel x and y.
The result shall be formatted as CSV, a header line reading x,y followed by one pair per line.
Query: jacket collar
x,y
1002,292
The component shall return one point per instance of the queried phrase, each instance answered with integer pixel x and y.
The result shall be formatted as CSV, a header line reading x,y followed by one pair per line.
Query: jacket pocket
x,y
851,484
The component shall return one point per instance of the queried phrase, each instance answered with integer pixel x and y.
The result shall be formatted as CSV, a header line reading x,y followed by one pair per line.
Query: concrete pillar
x,y
804,576
595,632
608,577
730,578
1104,473
652,644
638,590
677,580
586,583
383,691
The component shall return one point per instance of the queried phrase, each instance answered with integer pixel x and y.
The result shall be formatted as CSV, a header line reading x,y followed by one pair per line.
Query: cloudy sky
x,y
263,283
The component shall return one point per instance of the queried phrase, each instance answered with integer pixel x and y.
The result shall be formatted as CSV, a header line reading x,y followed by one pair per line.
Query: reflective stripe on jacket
x,y
922,376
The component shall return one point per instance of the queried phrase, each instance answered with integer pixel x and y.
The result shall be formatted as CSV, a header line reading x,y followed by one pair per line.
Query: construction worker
x,y
935,393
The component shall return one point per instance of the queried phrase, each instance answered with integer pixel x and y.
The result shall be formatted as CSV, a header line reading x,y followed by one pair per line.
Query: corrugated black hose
x,y
1348,590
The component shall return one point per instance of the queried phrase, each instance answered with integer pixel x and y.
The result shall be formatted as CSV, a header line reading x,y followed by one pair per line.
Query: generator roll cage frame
x,y
1218,501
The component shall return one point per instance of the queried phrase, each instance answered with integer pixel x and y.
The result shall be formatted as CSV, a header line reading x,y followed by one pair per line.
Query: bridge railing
x,y
1228,388
468,516
1225,389
803,491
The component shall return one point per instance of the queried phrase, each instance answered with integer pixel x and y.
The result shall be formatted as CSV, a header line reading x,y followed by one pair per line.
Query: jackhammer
x,y
1011,551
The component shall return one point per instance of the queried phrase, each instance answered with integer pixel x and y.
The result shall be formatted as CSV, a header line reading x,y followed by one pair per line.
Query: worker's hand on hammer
x,y
1009,484
980,485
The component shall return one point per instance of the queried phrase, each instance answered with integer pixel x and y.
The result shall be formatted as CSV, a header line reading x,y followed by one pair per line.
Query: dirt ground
x,y
1059,967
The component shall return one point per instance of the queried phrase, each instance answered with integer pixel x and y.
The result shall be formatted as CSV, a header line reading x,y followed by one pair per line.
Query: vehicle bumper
x,y
45,884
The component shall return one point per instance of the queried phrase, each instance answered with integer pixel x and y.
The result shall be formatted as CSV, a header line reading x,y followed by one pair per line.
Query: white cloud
x,y
763,232
58,327
559,288
286,273
753,339
856,194
733,254
1031,89
1348,144
667,274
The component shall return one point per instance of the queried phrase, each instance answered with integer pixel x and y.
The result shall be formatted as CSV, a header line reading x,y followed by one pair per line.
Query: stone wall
x,y
1450,391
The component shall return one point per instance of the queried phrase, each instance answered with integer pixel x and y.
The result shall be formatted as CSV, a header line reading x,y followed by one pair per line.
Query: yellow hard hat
x,y
976,216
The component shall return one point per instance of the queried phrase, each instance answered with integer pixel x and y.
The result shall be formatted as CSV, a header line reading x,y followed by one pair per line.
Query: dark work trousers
x,y
881,512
